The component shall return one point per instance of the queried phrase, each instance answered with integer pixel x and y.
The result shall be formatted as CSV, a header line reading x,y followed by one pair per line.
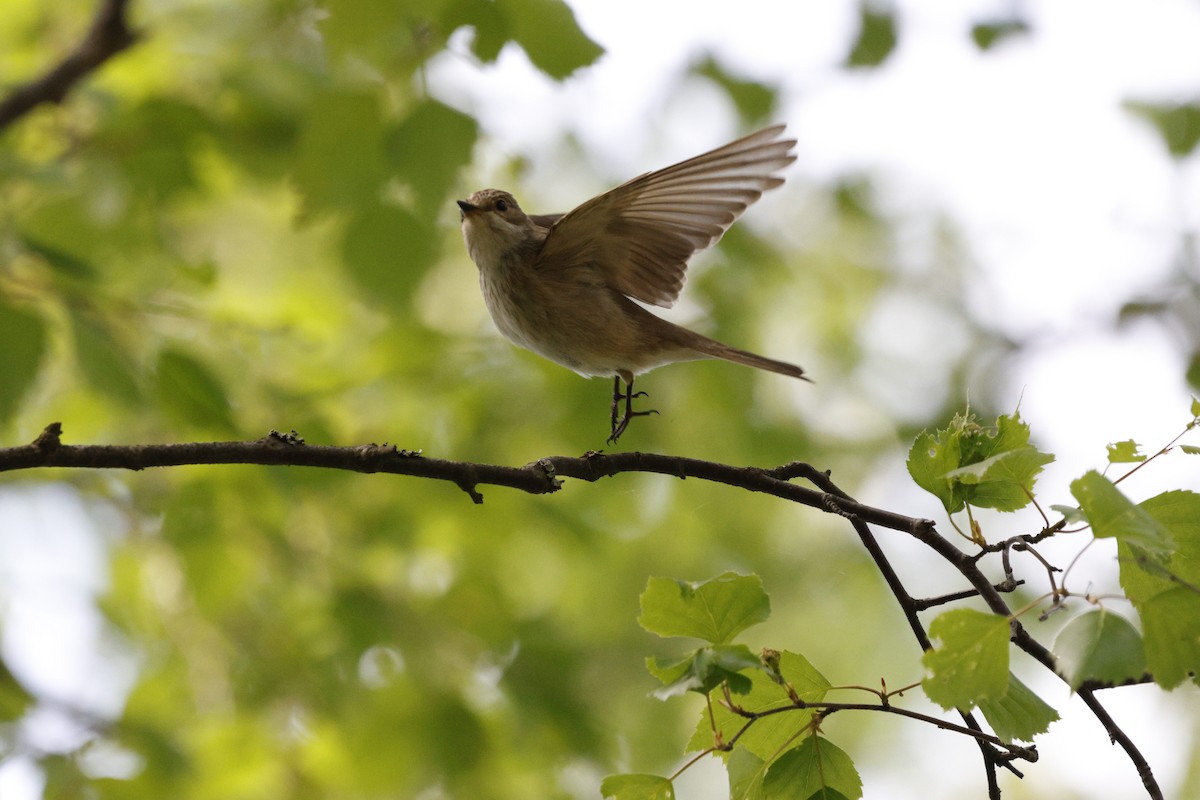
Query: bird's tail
x,y
714,349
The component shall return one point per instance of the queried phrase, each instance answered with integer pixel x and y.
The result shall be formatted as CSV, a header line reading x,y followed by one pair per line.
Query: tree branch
x,y
538,477
544,476
108,35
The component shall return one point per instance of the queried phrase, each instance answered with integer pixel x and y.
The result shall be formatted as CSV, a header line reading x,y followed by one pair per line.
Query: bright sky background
x,y
1067,202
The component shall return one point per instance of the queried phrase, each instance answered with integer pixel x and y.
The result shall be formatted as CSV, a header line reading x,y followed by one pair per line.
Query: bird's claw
x,y
619,425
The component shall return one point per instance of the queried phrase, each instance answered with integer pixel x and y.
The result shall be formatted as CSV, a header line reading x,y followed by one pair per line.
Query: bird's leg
x,y
616,403
619,425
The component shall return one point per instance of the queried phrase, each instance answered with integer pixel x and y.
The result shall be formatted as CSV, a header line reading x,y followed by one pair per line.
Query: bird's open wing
x,y
641,234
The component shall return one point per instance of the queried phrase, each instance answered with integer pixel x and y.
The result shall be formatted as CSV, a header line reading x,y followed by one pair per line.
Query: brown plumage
x,y
561,284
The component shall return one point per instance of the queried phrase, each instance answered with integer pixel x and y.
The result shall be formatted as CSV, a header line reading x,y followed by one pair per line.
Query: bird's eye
x,y
502,206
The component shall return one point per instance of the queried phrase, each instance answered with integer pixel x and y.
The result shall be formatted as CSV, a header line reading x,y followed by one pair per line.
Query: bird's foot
x,y
619,425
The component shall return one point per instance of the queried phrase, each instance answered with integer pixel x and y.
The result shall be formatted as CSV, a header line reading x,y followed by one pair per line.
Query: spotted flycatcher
x,y
564,285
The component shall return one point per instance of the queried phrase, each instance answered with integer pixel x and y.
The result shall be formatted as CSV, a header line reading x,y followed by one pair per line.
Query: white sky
x,y
1068,204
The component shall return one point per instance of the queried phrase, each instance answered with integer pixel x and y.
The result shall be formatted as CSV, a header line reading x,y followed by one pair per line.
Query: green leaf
x,y
1195,408
1111,514
550,36
1072,514
1099,646
754,101
428,149
1146,573
971,663
987,35
14,698
637,787
190,393
154,144
714,610
387,251
339,160
816,769
61,261
1019,714
1003,481
1191,450
769,734
704,670
493,28
967,463
104,362
932,457
746,774
876,38
1171,621
23,334
1178,125
348,25
1125,452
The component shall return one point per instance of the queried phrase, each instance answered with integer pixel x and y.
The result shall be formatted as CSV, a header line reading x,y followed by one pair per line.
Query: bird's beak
x,y
466,208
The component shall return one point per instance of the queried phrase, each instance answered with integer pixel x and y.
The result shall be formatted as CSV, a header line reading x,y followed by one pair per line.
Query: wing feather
x,y
641,235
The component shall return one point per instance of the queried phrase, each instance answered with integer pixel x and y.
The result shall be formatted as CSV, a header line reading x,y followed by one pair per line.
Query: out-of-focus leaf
x,y
104,362
190,393
14,698
754,101
816,769
64,778
1019,714
23,334
1192,372
339,163
1099,646
65,263
550,36
492,26
971,662
987,35
637,787
876,37
387,251
715,610
1177,125
429,148
155,144
1072,514
350,26
1125,452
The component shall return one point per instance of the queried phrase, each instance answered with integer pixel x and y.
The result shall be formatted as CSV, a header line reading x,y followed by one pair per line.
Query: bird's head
x,y
494,226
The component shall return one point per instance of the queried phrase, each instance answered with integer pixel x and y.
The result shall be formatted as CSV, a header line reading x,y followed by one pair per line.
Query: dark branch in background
x,y
544,476
108,35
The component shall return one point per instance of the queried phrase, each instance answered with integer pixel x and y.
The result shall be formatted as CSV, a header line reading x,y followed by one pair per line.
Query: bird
x,y
571,287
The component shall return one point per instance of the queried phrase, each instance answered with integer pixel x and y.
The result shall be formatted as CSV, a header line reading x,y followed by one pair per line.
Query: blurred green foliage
x,y
246,222
876,37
